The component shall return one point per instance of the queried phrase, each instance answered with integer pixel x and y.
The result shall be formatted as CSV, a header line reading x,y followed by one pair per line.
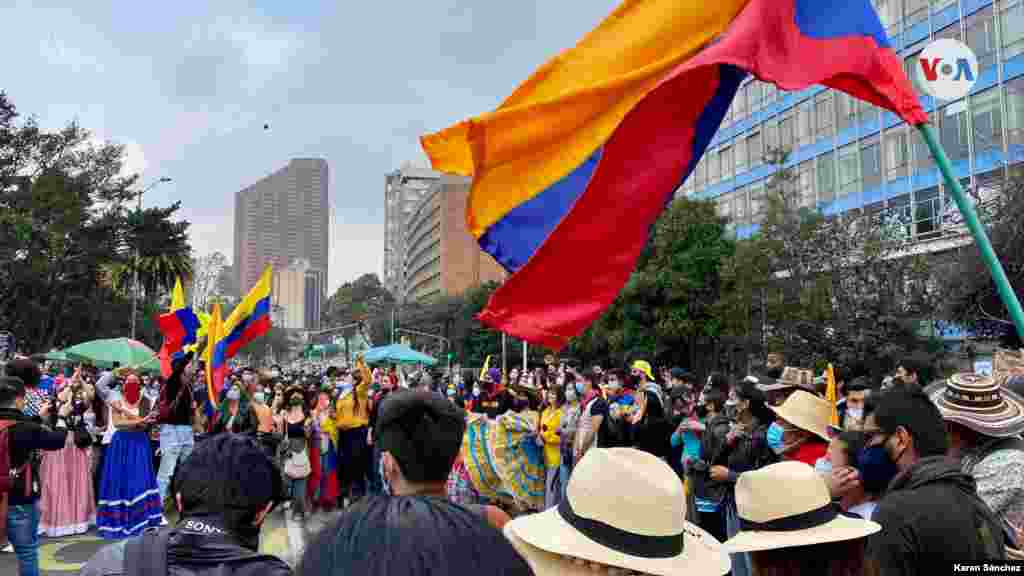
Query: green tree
x,y
847,288
63,229
670,300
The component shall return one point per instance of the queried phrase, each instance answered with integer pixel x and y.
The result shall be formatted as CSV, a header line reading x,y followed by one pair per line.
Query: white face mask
x,y
855,413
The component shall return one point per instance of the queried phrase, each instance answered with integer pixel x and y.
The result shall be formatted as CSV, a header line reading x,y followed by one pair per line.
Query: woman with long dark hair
x,y
746,448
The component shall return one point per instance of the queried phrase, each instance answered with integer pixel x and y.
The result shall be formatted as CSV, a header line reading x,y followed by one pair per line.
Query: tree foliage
x,y
847,288
64,231
972,297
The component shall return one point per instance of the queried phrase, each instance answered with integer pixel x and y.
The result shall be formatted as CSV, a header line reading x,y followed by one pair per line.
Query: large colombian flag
x,y
571,170
213,335
181,329
248,321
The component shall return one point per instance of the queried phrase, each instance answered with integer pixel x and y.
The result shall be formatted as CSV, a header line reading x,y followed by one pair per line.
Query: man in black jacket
x,y
224,491
931,514
25,436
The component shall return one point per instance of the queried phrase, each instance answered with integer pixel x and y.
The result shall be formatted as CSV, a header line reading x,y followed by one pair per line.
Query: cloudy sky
x,y
187,86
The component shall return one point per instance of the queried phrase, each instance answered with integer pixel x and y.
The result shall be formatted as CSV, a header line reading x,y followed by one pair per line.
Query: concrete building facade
x,y
283,218
403,191
297,295
850,155
441,257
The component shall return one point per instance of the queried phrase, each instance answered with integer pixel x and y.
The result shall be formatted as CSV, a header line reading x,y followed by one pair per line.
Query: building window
x,y
923,159
826,176
787,134
871,163
758,206
739,206
739,104
824,114
951,31
700,173
805,124
740,154
770,131
953,130
846,111
1011,24
849,170
727,162
915,12
1015,111
805,184
987,120
981,36
724,203
754,152
897,153
889,12
770,93
927,212
912,68
866,111
714,166
755,95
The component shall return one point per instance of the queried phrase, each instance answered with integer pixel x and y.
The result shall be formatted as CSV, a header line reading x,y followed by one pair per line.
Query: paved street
x,y
281,536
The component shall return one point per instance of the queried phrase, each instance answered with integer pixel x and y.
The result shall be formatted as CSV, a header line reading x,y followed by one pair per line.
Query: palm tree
x,y
163,252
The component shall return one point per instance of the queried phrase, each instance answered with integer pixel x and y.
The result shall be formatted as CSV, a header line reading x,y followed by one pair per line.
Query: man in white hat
x,y
985,422
641,528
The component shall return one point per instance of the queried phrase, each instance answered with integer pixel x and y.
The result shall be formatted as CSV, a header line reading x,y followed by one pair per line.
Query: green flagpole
x,y
1006,292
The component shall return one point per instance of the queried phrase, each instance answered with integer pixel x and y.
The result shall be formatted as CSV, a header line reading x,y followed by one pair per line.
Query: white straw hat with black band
x,y
807,412
800,515
623,508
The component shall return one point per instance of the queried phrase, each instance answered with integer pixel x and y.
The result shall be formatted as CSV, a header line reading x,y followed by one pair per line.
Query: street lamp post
x,y
135,264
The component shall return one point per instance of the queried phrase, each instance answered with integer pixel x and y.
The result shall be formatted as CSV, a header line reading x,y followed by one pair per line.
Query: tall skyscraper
x,y
281,219
403,191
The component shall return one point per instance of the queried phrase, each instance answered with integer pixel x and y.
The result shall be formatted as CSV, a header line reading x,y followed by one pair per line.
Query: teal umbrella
x,y
397,354
104,353
55,356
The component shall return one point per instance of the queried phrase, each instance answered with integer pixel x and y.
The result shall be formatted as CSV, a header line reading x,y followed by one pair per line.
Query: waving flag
x,y
213,386
180,328
248,321
585,155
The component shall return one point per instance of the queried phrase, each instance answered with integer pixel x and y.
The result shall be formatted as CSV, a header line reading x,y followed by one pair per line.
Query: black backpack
x,y
146,555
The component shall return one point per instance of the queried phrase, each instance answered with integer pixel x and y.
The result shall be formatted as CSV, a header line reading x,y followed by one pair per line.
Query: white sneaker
x,y
9,549
163,521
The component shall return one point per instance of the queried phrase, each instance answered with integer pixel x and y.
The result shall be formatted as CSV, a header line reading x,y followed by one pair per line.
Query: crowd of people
x,y
642,473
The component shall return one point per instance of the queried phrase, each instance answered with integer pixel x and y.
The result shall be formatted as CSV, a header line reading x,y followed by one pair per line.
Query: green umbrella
x,y
104,353
55,356
397,354
151,366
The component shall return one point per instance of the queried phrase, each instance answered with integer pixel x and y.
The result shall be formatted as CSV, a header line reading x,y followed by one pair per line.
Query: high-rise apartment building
x,y
281,219
850,155
441,257
297,293
403,190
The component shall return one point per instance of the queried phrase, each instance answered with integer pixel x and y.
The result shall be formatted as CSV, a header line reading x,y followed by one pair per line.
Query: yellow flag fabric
x,y
487,364
571,106
213,335
832,394
178,296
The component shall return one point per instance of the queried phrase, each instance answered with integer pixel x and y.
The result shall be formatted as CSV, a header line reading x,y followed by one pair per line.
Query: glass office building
x,y
849,155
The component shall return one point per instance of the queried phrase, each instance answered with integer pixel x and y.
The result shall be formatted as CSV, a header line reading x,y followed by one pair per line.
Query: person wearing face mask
x,y
746,448
353,419
550,437
851,407
800,429
295,427
494,399
567,435
844,453
593,415
234,415
325,458
929,500
388,384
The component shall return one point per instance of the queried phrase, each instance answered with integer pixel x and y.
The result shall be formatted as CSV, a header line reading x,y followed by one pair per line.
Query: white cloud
x,y
134,156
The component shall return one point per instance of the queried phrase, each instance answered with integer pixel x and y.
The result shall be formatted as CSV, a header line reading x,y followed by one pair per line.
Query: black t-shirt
x,y
494,405
599,407
25,437
377,400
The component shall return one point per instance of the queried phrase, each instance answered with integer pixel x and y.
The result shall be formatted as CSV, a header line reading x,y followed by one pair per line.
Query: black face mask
x,y
702,412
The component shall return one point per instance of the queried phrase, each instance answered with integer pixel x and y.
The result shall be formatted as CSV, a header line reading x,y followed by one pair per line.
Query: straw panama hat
x,y
802,515
979,403
623,508
807,412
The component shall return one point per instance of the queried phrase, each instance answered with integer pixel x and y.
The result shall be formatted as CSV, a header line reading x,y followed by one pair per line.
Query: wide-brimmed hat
x,y
639,525
807,412
801,515
979,403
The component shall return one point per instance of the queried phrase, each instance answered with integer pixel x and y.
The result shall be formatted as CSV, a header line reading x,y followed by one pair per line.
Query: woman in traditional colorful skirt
x,y
129,498
67,506
322,487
